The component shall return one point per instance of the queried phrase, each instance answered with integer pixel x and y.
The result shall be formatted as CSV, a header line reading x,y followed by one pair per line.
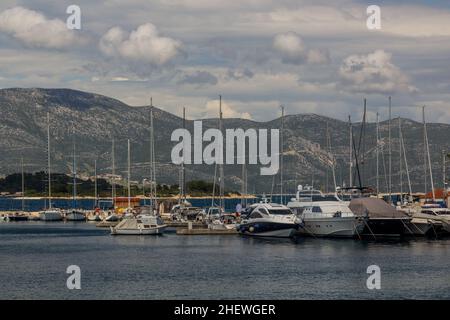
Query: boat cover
x,y
374,208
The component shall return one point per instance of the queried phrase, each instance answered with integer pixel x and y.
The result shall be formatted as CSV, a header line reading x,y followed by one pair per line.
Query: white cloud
x,y
34,29
143,44
292,49
373,73
212,111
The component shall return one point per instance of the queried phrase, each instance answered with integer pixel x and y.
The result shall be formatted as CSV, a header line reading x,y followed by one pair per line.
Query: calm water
x,y
35,255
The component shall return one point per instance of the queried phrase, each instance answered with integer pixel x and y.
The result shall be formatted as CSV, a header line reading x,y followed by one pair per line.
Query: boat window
x,y
255,214
281,212
316,210
139,221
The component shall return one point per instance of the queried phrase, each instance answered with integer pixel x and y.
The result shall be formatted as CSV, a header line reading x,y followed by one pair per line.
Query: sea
x,y
35,257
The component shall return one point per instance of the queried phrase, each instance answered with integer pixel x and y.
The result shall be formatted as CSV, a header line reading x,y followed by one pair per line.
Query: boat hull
x,y
75,217
17,218
139,232
385,227
343,227
50,216
268,229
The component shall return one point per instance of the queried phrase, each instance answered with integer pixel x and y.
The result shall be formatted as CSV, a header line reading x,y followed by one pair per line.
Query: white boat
x,y
112,217
437,216
75,215
94,217
140,225
50,215
270,220
328,219
324,215
223,222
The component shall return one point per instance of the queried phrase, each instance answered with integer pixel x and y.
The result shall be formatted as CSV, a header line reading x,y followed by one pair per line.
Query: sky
x,y
309,56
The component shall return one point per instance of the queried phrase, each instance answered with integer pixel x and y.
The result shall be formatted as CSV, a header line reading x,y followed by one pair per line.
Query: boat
x,y
270,220
17,216
75,215
224,222
50,215
381,220
112,217
140,225
94,217
439,216
328,219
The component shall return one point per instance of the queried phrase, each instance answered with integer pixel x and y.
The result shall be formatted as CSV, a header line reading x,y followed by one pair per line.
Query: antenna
x,y
390,150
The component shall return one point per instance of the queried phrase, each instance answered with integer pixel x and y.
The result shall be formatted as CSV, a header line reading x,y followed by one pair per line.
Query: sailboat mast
x,y
350,152
282,155
49,163
378,154
183,169
400,157
95,184
152,159
23,185
390,150
113,180
406,164
221,174
333,168
129,174
74,173
428,154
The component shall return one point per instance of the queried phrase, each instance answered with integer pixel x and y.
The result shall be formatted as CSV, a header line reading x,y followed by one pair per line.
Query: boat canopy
x,y
374,208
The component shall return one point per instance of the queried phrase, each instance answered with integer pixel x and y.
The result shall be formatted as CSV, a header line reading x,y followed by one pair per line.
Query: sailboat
x,y
50,214
94,216
144,223
112,217
74,214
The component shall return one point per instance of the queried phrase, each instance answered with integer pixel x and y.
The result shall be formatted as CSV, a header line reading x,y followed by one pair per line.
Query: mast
x,y
183,170
152,159
428,153
95,184
444,169
282,154
129,174
23,185
49,163
378,154
113,180
406,164
350,152
221,175
400,157
390,150
74,173
332,159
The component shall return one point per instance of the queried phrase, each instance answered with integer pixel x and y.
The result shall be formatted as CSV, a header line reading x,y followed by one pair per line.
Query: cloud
x,y
198,78
212,111
373,73
142,45
239,74
293,51
34,29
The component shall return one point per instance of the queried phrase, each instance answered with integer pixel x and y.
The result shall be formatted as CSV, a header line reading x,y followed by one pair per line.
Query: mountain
x,y
93,120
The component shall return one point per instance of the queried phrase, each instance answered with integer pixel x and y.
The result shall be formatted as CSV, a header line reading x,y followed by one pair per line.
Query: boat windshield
x,y
280,212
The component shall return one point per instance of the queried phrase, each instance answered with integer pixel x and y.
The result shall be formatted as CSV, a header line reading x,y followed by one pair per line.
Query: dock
x,y
205,231
179,224
106,224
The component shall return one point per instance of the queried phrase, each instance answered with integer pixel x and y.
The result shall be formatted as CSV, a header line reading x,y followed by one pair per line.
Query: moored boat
x,y
270,220
140,225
